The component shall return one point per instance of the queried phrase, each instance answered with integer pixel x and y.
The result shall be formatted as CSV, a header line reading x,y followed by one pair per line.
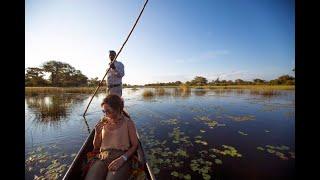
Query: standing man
x,y
114,76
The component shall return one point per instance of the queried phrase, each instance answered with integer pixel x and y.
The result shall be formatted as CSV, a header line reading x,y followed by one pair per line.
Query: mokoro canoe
x,y
74,171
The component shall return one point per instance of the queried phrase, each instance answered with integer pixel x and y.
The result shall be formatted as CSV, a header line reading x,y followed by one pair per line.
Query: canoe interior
x,y
74,171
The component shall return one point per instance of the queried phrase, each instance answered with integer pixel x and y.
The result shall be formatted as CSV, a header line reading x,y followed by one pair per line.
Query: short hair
x,y
112,52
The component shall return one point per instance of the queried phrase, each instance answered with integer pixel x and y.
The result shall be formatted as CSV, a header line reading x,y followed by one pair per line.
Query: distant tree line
x,y
177,83
202,81
59,75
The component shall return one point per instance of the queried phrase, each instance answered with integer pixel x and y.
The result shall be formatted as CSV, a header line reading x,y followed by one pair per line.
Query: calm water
x,y
197,134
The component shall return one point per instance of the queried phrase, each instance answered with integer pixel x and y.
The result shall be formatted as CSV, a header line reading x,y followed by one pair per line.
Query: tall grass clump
x,y
184,88
160,91
147,94
60,90
264,93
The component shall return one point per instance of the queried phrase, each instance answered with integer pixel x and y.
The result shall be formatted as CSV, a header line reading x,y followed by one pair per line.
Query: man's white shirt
x,y
114,76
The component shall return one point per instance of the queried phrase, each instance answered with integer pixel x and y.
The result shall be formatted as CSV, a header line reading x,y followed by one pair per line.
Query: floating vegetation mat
x,y
282,152
169,122
174,156
46,166
209,122
201,166
241,118
179,137
227,151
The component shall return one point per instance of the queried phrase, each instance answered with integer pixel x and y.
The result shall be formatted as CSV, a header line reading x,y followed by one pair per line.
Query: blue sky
x,y
174,39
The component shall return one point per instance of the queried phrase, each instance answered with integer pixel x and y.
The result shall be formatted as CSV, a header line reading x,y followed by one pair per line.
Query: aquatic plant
x,y
202,167
169,121
242,133
201,142
218,161
260,148
209,122
40,160
228,150
276,150
60,90
241,118
160,91
147,93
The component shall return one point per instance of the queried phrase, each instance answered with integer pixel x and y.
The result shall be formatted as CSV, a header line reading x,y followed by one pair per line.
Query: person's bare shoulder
x,y
131,123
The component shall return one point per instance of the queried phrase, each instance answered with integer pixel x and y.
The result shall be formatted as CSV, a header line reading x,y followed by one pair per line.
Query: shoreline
x,y
89,90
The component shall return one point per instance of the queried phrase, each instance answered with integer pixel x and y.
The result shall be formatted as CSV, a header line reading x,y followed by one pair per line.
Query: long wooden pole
x,y
100,83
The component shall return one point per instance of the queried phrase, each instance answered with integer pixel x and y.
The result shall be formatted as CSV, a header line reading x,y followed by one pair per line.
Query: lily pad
x,y
206,176
242,118
204,143
167,161
64,156
156,170
187,177
271,151
175,173
176,164
30,169
73,155
42,170
218,161
40,148
242,133
181,152
283,157
39,177
260,148
42,160
270,147
284,147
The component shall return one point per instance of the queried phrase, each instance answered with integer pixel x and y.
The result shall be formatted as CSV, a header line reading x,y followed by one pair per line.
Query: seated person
x,y
116,139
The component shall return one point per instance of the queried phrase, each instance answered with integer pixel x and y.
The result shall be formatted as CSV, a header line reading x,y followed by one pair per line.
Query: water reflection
x,y
265,93
199,92
87,125
52,108
150,93
180,92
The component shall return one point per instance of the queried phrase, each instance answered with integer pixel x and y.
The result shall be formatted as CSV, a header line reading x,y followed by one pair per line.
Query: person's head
x,y
112,105
112,54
